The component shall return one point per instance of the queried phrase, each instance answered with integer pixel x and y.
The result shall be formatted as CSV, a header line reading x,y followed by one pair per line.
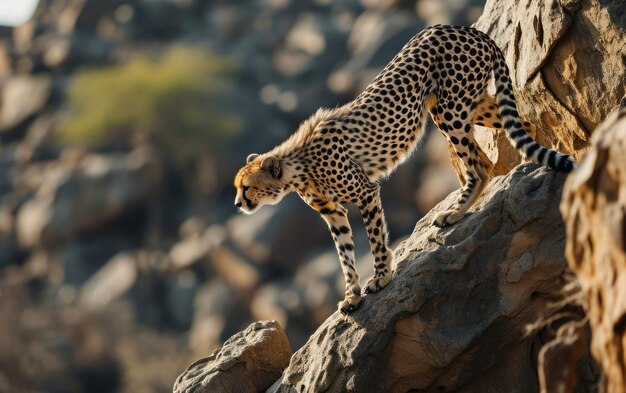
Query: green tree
x,y
171,97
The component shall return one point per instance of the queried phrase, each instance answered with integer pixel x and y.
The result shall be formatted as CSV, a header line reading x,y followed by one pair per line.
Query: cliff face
x,y
594,208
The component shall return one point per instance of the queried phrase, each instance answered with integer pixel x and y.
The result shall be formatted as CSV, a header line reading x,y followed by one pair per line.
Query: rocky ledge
x,y
460,311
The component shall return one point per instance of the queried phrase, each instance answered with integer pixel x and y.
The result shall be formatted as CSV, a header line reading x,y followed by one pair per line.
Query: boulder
x,y
456,315
375,38
97,191
196,246
219,311
82,257
594,209
279,236
574,76
23,97
248,362
109,283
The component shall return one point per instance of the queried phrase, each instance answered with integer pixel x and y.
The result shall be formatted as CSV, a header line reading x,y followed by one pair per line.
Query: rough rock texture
x,y
248,362
455,316
594,208
559,357
567,60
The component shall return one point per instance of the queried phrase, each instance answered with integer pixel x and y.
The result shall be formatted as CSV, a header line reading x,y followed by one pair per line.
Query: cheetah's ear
x,y
251,158
272,165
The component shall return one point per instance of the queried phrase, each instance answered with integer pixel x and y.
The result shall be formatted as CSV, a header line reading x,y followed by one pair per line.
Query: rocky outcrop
x,y
566,63
247,363
456,315
594,208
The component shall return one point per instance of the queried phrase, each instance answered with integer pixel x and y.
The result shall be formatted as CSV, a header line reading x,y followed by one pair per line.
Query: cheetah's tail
x,y
518,137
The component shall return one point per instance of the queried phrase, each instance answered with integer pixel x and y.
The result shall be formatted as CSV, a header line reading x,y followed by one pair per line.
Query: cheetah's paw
x,y
376,283
447,218
349,304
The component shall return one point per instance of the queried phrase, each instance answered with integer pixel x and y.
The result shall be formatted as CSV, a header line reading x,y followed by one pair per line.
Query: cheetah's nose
x,y
238,204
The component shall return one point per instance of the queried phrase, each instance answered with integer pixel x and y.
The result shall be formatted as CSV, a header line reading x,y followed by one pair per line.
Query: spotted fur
x,y
340,155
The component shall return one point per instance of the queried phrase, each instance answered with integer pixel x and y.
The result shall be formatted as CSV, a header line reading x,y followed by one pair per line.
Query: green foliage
x,y
171,97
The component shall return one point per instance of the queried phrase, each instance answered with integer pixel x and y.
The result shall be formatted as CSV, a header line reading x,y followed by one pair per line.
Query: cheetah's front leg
x,y
372,212
337,220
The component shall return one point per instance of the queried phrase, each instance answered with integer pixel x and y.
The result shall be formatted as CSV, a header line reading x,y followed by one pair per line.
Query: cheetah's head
x,y
259,183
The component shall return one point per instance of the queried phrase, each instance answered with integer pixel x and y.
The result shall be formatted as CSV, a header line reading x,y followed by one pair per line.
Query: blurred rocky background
x,y
122,123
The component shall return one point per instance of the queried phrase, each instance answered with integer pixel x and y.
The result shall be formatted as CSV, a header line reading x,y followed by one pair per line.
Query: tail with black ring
x,y
518,137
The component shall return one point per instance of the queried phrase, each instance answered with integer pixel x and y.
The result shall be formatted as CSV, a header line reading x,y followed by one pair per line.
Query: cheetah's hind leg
x,y
475,176
486,115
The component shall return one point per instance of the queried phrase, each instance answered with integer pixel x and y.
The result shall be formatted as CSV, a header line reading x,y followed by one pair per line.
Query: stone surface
x,y
558,358
110,282
248,362
96,192
273,236
217,314
22,98
573,77
455,316
594,208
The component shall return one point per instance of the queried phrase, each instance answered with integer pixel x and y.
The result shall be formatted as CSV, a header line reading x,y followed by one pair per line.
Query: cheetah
x,y
340,155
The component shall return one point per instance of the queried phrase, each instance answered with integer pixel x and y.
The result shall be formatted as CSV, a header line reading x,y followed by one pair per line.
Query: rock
x,y
82,257
10,254
210,245
455,316
89,14
217,314
374,40
73,52
437,179
558,358
196,246
306,36
109,283
6,61
448,11
180,292
279,236
274,300
234,268
594,209
575,75
317,281
23,36
250,361
100,190
22,98
36,144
